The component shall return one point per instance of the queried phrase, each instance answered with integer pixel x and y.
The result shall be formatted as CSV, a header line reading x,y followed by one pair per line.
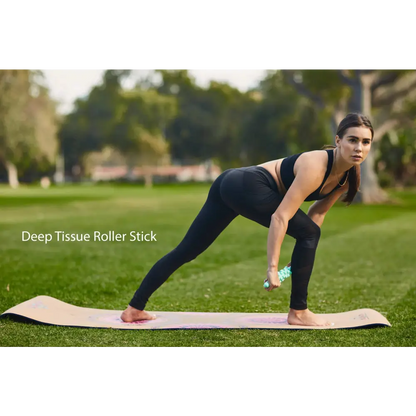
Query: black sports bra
x,y
287,175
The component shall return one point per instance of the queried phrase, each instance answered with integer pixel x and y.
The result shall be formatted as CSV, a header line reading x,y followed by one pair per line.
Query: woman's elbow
x,y
280,219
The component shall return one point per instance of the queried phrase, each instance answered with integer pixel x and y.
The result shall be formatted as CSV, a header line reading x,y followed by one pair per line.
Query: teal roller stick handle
x,y
283,275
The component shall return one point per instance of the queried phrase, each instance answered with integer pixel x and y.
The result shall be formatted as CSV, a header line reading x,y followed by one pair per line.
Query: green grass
x,y
365,259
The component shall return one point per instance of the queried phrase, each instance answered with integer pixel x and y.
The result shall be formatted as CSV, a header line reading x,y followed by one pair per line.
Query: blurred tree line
x,y
168,115
28,125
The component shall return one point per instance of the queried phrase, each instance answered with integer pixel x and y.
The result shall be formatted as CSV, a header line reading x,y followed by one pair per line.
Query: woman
x,y
271,194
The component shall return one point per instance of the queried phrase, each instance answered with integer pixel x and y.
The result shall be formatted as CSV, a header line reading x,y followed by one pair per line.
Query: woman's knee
x,y
311,235
308,234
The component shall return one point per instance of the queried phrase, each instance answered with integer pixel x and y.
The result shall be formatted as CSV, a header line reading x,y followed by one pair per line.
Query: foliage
x,y
289,112
131,121
396,161
28,121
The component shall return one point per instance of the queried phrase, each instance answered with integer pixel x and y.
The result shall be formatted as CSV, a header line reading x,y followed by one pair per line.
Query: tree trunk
x,y
370,190
148,177
148,180
12,174
59,176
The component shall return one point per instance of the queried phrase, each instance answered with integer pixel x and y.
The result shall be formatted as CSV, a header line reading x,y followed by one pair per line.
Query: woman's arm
x,y
318,209
308,178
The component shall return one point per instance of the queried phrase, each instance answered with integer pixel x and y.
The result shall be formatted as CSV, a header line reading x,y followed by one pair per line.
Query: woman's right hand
x,y
273,279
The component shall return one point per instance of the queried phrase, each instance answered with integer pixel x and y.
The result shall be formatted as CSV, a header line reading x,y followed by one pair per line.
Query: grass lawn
x,y
366,259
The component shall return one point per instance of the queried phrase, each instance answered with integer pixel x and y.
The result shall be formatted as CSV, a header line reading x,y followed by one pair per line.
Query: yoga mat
x,y
48,310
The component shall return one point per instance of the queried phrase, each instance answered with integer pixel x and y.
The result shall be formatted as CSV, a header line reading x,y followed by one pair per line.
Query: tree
x,y
138,131
190,133
230,111
28,122
281,122
381,95
15,130
396,160
210,121
42,111
132,122
88,128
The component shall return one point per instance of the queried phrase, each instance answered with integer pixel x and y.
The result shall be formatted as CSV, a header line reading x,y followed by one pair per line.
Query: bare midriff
x,y
274,168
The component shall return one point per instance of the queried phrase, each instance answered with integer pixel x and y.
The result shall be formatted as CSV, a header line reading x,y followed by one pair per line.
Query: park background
x,y
138,152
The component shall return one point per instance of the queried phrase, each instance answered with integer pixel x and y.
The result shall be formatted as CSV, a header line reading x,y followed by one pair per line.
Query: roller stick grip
x,y
283,275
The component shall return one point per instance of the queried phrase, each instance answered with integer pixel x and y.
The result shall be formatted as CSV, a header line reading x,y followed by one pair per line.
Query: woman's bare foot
x,y
132,314
306,318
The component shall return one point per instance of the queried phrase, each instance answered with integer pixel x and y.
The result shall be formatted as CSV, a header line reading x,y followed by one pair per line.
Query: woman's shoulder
x,y
312,165
317,154
315,159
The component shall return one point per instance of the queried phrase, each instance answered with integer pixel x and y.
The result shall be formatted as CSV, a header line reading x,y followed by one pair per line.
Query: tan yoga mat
x,y
48,310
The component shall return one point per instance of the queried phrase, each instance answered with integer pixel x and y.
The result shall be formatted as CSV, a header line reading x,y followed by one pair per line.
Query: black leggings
x,y
252,193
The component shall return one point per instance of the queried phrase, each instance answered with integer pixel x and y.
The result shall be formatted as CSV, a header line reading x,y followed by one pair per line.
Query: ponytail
x,y
354,180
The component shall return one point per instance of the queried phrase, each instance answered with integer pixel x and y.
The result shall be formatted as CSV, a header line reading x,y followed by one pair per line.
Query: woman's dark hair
x,y
354,175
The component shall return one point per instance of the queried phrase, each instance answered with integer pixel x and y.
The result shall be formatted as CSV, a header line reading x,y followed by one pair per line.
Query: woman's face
x,y
355,144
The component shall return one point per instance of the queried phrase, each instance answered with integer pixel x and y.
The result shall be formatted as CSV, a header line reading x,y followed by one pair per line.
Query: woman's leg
x,y
257,201
307,235
213,218
252,193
